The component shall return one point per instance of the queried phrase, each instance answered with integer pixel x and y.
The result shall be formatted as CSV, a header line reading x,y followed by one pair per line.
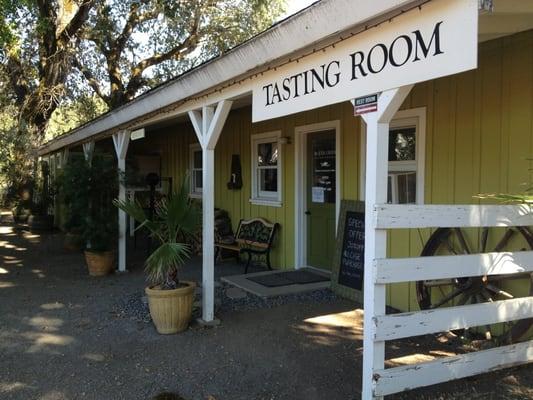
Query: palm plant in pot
x,y
174,219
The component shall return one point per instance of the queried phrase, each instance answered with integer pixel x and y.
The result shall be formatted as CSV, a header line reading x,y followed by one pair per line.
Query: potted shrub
x,y
74,192
99,217
88,190
175,218
40,219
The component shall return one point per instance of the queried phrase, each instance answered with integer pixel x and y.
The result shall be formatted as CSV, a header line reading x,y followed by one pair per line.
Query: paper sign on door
x,y
317,194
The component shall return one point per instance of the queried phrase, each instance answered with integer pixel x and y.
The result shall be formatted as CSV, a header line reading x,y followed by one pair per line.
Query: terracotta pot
x,y
99,263
171,310
73,241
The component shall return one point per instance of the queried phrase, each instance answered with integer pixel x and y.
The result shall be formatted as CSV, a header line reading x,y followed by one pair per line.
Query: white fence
x,y
403,325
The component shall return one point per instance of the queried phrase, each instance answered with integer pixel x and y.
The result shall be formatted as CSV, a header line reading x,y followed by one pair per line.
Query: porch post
x,y
121,141
208,126
64,157
88,150
377,140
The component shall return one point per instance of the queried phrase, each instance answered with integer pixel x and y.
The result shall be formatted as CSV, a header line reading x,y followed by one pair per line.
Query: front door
x,y
321,199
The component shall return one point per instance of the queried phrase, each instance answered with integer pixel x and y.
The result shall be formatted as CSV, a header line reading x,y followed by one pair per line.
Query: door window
x,y
323,170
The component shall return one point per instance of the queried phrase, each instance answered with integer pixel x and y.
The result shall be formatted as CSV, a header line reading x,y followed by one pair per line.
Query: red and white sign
x,y
366,104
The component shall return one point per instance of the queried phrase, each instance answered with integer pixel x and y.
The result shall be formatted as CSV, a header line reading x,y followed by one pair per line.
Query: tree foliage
x,y
53,50
57,55
37,38
130,46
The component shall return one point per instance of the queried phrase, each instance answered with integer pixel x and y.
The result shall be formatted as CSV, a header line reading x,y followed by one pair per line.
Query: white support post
x,y
208,126
64,158
121,141
377,142
88,150
208,235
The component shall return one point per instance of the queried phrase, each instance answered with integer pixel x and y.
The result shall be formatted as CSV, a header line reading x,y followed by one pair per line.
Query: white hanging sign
x,y
437,39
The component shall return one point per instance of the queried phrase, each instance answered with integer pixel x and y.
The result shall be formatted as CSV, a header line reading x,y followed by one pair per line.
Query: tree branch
x,y
177,52
17,79
133,20
77,20
90,78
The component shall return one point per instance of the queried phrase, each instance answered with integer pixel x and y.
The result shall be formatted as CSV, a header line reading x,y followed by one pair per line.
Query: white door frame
x,y
300,159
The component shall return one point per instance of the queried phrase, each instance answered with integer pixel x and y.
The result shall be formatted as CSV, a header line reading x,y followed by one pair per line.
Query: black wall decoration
x,y
235,180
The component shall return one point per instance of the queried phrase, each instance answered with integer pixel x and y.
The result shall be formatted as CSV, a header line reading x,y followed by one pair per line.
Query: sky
x,y
296,5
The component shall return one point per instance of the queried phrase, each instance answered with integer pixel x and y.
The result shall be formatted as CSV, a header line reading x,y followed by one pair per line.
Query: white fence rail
x,y
395,216
394,270
403,325
394,380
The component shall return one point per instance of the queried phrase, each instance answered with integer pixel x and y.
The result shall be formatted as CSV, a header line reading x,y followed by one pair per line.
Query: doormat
x,y
288,278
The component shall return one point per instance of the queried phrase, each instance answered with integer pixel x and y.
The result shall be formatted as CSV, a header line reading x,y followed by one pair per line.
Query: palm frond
x,y
174,217
135,210
167,257
508,197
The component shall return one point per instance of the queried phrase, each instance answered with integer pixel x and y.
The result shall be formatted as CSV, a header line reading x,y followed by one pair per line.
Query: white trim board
x,y
300,163
257,197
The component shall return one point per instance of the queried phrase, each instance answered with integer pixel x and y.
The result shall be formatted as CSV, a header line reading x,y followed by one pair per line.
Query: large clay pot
x,y
171,310
99,263
41,223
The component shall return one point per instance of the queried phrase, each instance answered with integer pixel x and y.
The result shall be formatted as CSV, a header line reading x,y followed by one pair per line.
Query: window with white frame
x,y
195,167
405,178
266,168
407,137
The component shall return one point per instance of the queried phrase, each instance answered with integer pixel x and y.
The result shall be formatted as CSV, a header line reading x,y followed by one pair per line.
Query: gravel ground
x,y
64,335
135,306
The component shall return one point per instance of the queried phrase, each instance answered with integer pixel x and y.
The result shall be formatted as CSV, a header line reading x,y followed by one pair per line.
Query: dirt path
x,y
61,338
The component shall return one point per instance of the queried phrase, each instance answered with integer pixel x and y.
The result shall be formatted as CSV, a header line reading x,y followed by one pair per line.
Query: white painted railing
x,y
394,380
403,325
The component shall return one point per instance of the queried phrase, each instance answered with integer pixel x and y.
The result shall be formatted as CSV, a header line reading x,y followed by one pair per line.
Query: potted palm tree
x,y
174,220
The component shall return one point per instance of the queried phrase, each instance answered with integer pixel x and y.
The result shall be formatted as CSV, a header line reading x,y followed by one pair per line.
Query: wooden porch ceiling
x,y
508,17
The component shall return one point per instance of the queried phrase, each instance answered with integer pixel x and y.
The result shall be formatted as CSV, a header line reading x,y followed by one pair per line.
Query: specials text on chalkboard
x,y
348,269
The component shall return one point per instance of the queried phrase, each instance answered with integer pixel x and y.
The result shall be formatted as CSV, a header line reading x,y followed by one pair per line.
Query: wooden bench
x,y
254,237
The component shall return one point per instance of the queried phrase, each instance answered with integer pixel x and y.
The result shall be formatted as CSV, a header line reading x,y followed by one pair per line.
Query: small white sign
x,y
138,134
317,194
438,38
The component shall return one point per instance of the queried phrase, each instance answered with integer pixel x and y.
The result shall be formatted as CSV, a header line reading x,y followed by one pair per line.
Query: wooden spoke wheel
x,y
461,291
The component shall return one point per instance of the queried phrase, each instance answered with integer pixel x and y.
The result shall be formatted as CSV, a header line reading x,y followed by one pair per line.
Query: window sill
x,y
263,202
195,195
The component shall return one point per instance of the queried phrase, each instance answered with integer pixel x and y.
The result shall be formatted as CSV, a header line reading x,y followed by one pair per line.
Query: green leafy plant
x,y
526,197
175,218
88,190
43,197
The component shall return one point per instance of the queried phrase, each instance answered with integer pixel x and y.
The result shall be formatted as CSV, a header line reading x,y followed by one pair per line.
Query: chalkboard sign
x,y
348,267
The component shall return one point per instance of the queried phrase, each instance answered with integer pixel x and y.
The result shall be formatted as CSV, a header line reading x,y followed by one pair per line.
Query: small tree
x,y
88,191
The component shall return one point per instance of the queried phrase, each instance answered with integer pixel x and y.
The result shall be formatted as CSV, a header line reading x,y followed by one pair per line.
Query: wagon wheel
x,y
461,291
